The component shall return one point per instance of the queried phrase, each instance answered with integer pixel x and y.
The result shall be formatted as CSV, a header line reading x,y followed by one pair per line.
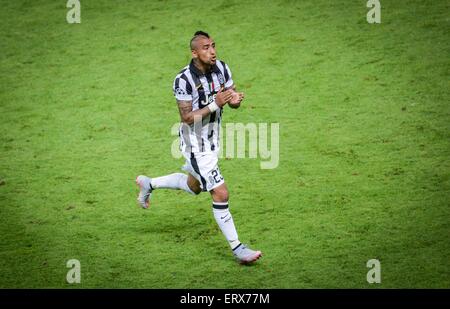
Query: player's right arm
x,y
189,117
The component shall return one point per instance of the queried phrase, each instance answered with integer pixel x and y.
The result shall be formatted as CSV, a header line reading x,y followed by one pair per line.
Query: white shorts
x,y
203,166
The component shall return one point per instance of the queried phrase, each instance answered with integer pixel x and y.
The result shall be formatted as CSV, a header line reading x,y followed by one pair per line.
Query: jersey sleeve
x,y
182,89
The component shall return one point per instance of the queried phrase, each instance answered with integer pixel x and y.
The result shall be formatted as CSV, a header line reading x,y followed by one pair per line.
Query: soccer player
x,y
202,89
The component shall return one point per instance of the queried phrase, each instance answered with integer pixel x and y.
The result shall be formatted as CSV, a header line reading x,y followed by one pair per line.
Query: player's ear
x,y
194,54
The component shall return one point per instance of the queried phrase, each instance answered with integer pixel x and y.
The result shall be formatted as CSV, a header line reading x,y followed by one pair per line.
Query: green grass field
x,y
364,169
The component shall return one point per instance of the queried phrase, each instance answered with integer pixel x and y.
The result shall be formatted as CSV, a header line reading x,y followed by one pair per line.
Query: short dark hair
x,y
201,33
196,35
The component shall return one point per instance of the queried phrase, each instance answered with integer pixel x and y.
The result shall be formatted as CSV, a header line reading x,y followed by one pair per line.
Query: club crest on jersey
x,y
221,79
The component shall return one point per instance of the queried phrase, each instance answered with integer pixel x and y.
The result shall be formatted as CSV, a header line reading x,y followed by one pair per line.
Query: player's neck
x,y
203,67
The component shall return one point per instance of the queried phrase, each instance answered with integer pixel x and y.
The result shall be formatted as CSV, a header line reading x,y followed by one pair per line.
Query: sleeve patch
x,y
180,91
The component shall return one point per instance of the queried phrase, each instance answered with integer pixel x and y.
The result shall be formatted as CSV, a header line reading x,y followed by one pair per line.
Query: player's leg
x,y
207,169
225,221
175,181
222,214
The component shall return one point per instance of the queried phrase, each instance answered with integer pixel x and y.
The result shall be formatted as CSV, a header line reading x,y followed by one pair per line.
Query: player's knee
x,y
221,194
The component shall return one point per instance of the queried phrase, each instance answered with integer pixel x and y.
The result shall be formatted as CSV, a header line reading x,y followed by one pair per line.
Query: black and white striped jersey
x,y
192,85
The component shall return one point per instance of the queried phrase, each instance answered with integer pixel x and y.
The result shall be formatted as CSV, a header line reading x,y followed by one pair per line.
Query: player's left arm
x,y
236,98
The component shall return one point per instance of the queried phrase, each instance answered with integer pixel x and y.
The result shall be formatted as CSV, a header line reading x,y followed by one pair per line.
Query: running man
x,y
201,90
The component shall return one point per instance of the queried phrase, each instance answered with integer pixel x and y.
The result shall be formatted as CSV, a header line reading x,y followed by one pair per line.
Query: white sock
x,y
177,181
225,221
